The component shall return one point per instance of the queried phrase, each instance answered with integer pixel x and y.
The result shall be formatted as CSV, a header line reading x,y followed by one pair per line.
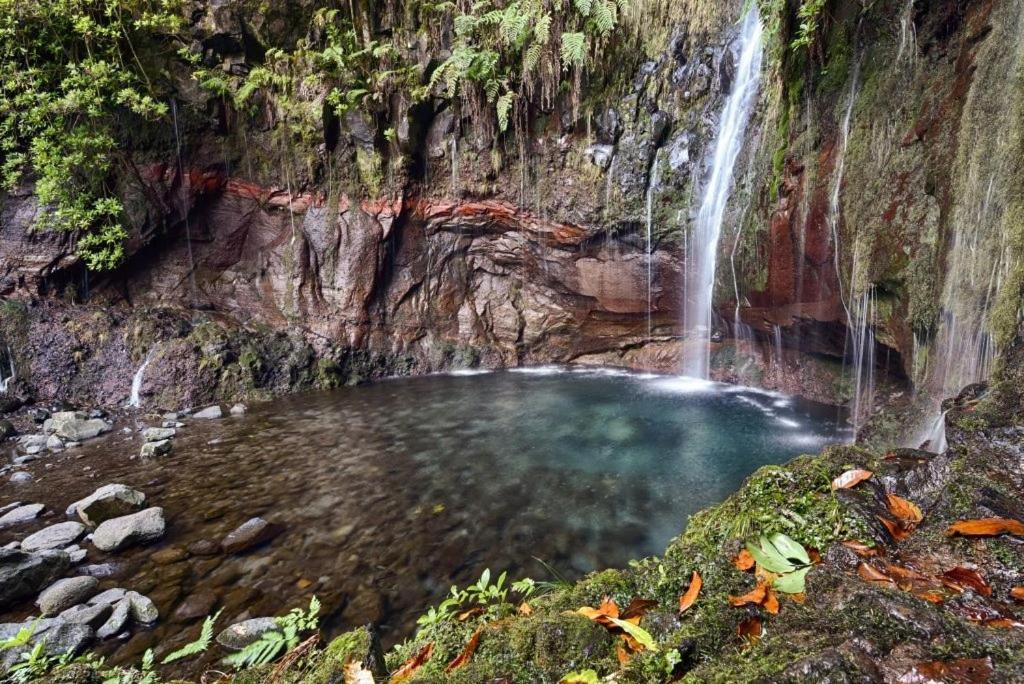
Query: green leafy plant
x,y
274,643
198,646
782,556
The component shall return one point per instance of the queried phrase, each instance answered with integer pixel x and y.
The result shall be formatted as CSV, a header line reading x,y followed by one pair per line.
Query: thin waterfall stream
x,y
703,252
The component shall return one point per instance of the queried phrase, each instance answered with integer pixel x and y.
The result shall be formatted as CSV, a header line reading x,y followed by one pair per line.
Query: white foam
x,y
788,423
685,385
538,370
459,372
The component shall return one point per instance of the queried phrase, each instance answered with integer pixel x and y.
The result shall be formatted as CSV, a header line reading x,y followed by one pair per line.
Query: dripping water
x,y
186,210
652,187
135,398
5,380
700,266
908,33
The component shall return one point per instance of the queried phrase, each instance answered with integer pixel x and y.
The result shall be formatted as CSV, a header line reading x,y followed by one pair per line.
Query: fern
x,y
584,6
199,645
574,49
604,15
272,644
542,29
504,107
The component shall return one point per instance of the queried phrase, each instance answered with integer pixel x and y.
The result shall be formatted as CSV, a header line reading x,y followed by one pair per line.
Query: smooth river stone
x,y
65,593
249,534
238,636
54,537
209,413
21,514
137,528
109,501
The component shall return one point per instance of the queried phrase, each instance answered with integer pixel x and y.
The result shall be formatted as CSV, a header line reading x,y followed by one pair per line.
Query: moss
x,y
347,648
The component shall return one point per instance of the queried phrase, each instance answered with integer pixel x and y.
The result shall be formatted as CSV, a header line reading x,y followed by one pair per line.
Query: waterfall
x,y
187,189
701,257
652,185
935,438
908,33
134,399
5,380
863,337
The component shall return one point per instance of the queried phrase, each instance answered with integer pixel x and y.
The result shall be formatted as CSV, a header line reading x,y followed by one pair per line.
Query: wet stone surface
x,y
380,498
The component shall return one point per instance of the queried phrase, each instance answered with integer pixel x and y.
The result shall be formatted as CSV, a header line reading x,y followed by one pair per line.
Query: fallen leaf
x,y
793,583
967,577
623,655
1017,594
755,596
860,548
525,609
814,555
412,664
899,572
798,598
743,561
581,677
906,511
637,608
930,596
896,531
354,673
466,614
851,478
872,574
608,616
771,602
467,652
750,629
986,527
1002,623
687,599
965,671
609,607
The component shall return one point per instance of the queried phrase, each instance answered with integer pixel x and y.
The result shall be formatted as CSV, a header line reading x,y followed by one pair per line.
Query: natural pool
x,y
390,493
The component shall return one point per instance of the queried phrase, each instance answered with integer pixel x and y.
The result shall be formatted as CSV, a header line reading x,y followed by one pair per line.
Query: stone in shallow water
x,y
108,597
21,514
171,554
92,615
138,528
249,534
238,409
23,574
154,449
142,609
109,501
196,605
21,477
158,434
117,620
209,413
54,536
65,593
75,425
238,636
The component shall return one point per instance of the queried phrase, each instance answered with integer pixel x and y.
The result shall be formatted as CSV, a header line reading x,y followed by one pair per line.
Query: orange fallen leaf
x,y
687,599
771,602
851,478
798,598
896,530
1017,594
623,655
637,608
967,577
466,614
1002,623
743,561
900,572
930,596
755,596
906,511
525,609
966,671
412,664
860,548
750,629
872,574
609,607
467,652
986,527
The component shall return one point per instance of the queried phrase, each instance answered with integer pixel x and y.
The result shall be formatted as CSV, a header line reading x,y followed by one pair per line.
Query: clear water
x,y
392,492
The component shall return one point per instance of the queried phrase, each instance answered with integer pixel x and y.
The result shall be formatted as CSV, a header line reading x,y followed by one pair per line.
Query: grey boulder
x,y
138,528
155,434
54,537
58,638
109,501
117,620
209,413
154,449
240,635
21,514
75,426
142,609
24,574
66,593
86,614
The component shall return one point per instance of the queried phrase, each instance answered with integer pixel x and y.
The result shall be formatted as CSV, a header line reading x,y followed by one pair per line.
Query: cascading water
x,y
703,248
652,187
135,398
187,189
5,380
862,335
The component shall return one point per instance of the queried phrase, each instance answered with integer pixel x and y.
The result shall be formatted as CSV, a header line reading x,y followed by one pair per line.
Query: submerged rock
x,y
66,593
249,534
240,635
138,528
109,501
54,537
209,413
23,574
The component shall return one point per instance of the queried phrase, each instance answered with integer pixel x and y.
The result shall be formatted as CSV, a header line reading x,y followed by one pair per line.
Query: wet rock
x,y
76,554
109,501
75,426
10,507
108,597
65,593
209,413
82,614
7,429
101,569
57,639
142,609
600,156
172,554
138,528
33,442
155,449
204,547
158,434
39,415
21,477
21,514
23,574
238,410
238,636
54,537
54,443
196,605
117,620
250,534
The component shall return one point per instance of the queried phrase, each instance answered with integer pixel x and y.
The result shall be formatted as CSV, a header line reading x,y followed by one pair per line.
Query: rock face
x,y
65,593
138,528
23,574
109,501
250,534
54,537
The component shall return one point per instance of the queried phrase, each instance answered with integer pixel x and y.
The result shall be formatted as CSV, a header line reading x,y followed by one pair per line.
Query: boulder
x,y
75,426
21,477
238,410
108,597
138,528
26,442
155,449
155,434
21,514
250,534
94,616
58,639
24,574
54,537
66,593
109,501
209,413
117,620
54,443
142,609
76,554
240,635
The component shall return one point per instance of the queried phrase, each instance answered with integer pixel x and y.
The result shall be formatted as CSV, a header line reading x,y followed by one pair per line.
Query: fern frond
x,y
574,49
583,6
199,645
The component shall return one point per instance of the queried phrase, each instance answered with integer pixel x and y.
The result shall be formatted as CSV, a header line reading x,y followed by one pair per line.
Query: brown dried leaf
x,y
755,596
896,530
965,671
851,478
986,527
1002,623
466,614
354,673
750,629
637,608
623,655
743,561
906,511
467,652
412,664
930,596
1017,594
872,574
860,548
970,578
687,599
